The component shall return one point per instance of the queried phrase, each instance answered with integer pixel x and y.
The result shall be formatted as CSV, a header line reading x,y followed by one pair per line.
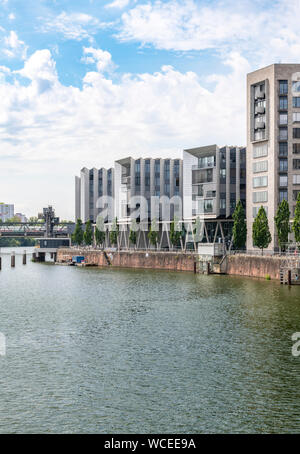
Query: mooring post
x,y
24,258
13,260
0,263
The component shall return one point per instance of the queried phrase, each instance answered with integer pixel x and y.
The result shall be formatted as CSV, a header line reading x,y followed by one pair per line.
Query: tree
x,y
88,234
77,237
153,233
260,230
133,232
296,223
99,236
239,231
282,222
114,234
175,232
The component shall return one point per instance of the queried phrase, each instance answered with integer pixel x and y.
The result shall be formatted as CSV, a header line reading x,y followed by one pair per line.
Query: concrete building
x,y
92,185
273,142
214,180
6,211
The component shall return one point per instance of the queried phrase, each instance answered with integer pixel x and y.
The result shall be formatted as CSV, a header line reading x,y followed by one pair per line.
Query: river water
x,y
135,351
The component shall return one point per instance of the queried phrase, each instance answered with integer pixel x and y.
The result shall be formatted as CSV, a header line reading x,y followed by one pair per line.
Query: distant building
x,y
273,142
22,217
6,211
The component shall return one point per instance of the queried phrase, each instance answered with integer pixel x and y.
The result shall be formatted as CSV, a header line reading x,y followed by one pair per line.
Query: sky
x,y
86,82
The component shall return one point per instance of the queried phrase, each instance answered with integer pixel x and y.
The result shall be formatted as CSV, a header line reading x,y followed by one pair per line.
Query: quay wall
x,y
175,261
255,265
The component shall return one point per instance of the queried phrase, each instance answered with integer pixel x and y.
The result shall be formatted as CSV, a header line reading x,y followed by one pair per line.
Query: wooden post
x,y
24,258
13,260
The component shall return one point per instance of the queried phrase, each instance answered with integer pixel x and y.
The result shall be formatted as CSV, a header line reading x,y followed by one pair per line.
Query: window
x,y
296,87
283,181
295,194
260,150
202,176
207,161
296,148
283,195
283,149
208,206
283,103
296,164
222,204
260,166
296,179
283,119
296,102
260,196
283,165
296,116
296,133
259,182
260,135
223,173
283,133
283,87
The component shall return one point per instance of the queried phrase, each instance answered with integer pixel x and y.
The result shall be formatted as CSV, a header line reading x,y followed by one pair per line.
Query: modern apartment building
x,y
214,180
273,142
137,181
89,187
6,211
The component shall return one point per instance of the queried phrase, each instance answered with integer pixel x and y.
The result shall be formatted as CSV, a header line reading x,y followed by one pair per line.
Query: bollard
x,y
24,258
0,263
13,260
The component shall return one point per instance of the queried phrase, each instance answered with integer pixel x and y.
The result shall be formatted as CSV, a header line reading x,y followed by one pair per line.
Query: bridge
x,y
34,229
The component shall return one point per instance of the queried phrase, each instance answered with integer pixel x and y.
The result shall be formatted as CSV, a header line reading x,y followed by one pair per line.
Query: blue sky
x,y
85,82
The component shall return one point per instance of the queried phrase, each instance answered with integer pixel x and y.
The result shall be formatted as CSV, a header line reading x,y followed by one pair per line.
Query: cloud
x,y
261,30
75,26
100,57
118,4
11,16
13,47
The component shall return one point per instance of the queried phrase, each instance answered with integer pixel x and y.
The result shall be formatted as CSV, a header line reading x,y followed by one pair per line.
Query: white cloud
x,y
262,31
46,127
118,4
75,26
100,57
11,16
13,47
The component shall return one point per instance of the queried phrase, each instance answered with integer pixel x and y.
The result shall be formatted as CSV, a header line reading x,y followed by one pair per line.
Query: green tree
x,y
77,237
175,232
282,222
296,223
260,230
153,233
239,231
88,234
133,232
99,236
114,234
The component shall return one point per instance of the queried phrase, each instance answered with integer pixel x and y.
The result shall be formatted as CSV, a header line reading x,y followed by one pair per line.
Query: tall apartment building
x,y
273,142
146,177
89,187
6,211
214,180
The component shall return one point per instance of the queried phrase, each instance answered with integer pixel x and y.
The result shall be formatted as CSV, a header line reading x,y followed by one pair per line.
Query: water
x,y
127,351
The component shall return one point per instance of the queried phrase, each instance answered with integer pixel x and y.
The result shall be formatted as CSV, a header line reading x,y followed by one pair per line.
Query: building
x,y
22,217
273,142
6,211
92,185
214,180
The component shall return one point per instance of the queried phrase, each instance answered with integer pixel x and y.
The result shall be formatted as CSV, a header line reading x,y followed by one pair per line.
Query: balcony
x,y
208,165
260,125
260,110
125,179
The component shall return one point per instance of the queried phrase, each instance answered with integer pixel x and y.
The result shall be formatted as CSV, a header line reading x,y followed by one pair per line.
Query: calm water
x,y
124,351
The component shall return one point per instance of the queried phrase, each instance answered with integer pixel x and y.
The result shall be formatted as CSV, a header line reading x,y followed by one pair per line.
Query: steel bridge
x,y
34,229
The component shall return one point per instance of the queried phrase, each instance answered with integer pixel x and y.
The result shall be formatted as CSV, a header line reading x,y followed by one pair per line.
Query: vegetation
x,y
239,231
88,234
260,230
114,234
99,236
198,230
175,233
77,237
296,223
282,222
153,233
17,242
133,232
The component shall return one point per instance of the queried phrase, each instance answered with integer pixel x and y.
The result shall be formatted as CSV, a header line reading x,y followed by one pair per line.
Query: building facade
x,y
214,180
6,211
273,142
94,191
